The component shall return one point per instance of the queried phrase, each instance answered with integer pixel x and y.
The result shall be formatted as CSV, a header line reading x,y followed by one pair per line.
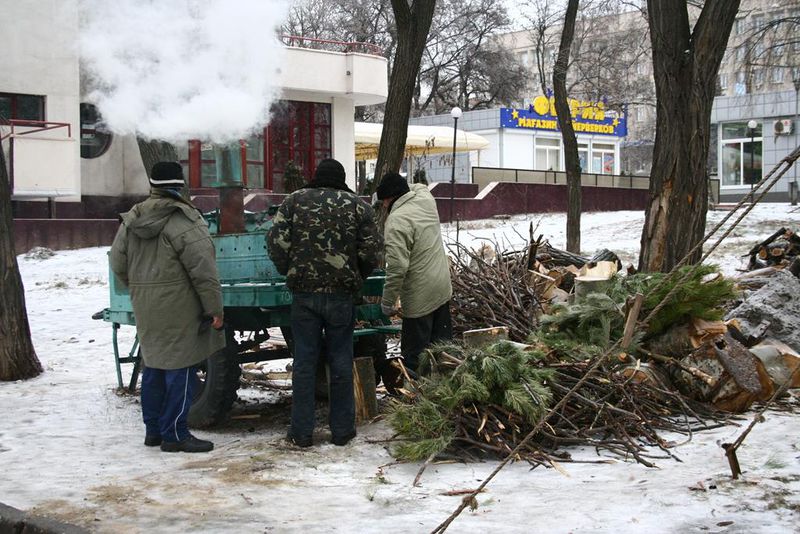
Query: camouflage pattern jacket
x,y
324,240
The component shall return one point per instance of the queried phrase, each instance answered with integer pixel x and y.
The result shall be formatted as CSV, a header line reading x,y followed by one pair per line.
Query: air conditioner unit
x,y
782,126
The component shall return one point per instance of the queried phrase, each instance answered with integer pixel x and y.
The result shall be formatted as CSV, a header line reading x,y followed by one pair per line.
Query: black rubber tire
x,y
216,394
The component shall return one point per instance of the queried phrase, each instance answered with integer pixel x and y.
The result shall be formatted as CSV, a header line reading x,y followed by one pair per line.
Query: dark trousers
x,y
166,398
419,332
312,315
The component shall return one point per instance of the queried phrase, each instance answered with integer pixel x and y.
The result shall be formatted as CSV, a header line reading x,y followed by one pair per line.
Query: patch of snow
x,y
71,446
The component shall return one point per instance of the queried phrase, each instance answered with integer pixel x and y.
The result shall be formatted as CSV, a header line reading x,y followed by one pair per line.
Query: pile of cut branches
x,y
482,402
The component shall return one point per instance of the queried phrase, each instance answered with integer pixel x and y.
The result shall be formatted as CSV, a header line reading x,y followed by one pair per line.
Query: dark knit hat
x,y
329,169
167,174
392,185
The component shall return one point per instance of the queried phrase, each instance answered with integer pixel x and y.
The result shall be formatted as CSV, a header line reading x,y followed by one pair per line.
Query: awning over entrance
x,y
421,140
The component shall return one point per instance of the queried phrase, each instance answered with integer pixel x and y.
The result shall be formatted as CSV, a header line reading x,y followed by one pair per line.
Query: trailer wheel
x,y
216,391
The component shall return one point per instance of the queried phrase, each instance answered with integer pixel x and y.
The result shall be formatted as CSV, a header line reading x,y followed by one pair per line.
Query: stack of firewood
x,y
778,250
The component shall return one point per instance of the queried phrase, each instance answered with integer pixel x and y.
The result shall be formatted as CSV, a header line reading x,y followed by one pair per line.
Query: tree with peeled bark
x,y
17,356
153,151
571,158
685,64
413,20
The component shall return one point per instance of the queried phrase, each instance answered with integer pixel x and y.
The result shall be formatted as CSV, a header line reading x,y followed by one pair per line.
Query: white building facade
x,y
41,85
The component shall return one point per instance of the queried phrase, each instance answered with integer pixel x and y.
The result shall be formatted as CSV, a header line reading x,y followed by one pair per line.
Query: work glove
x,y
387,309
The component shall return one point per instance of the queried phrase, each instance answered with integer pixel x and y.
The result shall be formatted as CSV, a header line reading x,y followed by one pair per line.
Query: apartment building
x,y
755,113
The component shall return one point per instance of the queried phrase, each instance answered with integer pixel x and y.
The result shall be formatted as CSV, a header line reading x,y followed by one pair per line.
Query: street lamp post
x,y
796,81
456,114
752,125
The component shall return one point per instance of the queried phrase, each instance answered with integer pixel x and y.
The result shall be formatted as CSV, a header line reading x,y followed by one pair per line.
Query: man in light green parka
x,y
164,254
417,268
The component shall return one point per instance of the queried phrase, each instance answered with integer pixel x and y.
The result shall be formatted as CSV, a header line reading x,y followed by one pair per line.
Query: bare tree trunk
x,y
571,159
413,23
153,151
17,356
685,65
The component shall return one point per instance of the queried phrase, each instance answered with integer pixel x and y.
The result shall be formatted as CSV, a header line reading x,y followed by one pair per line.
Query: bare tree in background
x,y
571,158
462,64
685,64
17,356
153,151
413,22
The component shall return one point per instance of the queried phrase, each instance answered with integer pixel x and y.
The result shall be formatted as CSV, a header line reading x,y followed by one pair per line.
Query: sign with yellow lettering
x,y
587,117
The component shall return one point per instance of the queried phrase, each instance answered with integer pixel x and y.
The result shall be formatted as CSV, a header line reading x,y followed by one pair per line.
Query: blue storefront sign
x,y
587,117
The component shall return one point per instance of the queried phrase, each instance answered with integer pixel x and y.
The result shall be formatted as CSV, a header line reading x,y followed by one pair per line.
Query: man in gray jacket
x,y
417,268
164,254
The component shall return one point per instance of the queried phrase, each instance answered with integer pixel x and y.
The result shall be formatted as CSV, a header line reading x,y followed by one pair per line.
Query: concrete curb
x,y
13,521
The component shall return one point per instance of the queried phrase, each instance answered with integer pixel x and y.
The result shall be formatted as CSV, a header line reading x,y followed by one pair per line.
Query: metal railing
x,y
35,127
484,175
332,46
30,127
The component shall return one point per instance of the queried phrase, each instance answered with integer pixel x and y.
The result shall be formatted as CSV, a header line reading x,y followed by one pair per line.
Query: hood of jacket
x,y
148,218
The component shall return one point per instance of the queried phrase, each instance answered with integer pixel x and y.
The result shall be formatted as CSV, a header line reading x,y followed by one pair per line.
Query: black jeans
x,y
312,315
419,332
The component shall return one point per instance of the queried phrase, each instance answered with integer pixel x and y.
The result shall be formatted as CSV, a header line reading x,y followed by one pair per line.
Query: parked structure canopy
x,y
420,140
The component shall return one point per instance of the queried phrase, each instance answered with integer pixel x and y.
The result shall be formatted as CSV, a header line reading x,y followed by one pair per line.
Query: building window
x,y
741,53
758,77
777,50
739,26
298,138
299,132
723,81
757,22
777,75
95,139
583,156
602,158
740,154
548,154
21,107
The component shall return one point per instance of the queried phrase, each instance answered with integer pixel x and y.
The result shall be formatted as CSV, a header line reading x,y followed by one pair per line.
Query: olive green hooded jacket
x,y
417,268
164,254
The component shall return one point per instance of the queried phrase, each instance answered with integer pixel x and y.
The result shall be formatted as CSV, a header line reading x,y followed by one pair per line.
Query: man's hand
x,y
387,309
217,323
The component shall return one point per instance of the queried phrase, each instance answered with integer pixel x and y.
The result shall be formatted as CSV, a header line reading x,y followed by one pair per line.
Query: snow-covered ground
x,y
71,446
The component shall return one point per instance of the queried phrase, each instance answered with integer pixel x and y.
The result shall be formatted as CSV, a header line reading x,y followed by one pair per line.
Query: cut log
x,y
606,255
780,360
757,248
584,285
552,256
740,378
485,336
364,389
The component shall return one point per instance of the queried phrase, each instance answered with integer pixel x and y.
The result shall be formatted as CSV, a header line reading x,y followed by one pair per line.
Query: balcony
x,y
319,69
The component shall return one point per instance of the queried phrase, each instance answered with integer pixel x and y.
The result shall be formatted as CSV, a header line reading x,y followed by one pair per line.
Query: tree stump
x,y
364,389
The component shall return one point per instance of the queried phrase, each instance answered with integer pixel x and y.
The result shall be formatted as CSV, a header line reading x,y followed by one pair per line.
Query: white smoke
x,y
182,69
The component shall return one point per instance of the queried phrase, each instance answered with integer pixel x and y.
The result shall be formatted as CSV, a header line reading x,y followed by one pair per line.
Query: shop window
x,y
740,154
548,154
603,158
21,107
583,156
95,139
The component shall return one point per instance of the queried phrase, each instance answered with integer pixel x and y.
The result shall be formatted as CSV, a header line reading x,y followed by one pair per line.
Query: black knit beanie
x,y
329,170
167,174
392,185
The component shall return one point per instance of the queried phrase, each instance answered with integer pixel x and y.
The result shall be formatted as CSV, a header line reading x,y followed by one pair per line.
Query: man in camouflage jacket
x,y
324,239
